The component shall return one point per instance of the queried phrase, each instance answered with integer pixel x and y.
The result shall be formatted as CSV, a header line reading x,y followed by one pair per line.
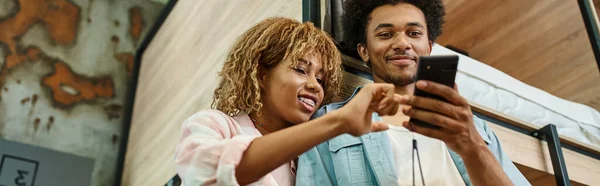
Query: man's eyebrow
x,y
389,25
383,25
417,24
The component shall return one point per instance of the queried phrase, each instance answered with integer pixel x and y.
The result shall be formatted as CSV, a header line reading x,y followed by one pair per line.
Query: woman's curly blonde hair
x,y
263,47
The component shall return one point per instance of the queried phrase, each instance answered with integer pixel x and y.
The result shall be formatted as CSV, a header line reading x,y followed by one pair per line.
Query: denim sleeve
x,y
322,111
507,165
315,165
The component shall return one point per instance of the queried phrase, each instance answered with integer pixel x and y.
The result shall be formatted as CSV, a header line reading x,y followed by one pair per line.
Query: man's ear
x,y
362,51
430,47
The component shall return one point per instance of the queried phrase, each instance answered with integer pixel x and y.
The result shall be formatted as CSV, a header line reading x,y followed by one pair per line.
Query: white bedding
x,y
498,91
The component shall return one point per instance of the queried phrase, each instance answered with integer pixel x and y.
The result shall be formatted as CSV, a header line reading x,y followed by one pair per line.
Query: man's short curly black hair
x,y
357,13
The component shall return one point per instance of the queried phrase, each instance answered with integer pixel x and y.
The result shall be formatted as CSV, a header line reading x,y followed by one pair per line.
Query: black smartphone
x,y
440,69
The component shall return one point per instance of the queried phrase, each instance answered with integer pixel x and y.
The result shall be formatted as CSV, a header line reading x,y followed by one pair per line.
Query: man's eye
x,y
385,34
415,33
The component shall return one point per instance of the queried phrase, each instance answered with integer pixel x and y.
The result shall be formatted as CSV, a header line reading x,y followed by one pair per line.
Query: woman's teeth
x,y
307,101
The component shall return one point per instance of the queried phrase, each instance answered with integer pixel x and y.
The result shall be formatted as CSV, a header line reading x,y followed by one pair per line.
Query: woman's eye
x,y
300,70
320,81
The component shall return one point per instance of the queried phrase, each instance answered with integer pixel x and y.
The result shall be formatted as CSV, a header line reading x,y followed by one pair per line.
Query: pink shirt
x,y
211,147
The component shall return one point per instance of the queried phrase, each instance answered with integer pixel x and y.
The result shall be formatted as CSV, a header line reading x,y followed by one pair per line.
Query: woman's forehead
x,y
312,59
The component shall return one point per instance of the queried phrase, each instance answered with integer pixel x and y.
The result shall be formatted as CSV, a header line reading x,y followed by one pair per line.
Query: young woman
x,y
275,77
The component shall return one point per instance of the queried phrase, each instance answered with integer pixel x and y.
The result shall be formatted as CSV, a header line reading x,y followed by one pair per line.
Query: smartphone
x,y
440,69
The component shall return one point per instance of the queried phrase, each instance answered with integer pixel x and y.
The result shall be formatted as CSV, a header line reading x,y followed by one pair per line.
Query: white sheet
x,y
492,88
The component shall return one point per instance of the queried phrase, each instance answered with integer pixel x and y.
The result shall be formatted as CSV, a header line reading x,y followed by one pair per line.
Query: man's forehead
x,y
397,15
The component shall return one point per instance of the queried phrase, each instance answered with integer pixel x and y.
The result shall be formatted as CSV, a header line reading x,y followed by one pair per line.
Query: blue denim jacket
x,y
368,160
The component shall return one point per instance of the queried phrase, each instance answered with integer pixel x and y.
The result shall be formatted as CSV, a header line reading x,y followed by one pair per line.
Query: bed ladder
x,y
550,134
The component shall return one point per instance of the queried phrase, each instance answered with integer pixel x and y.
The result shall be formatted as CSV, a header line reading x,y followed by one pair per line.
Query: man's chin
x,y
401,81
398,78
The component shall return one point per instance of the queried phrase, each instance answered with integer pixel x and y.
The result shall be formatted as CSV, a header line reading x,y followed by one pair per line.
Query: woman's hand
x,y
356,116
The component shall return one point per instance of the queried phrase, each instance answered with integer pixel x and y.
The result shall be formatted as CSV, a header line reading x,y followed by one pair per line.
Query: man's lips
x,y
401,61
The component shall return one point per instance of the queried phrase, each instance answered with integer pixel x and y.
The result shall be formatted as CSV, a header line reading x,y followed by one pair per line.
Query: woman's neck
x,y
267,123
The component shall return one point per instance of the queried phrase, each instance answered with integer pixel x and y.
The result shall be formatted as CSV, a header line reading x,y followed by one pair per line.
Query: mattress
x,y
490,87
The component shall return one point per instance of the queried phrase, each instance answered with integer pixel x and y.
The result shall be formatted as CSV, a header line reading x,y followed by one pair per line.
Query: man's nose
x,y
401,43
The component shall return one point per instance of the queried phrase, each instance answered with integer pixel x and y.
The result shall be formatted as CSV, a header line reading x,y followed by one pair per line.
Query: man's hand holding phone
x,y
453,117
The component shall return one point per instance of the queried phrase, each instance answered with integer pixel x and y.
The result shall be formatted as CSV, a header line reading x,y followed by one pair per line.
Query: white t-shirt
x,y
438,166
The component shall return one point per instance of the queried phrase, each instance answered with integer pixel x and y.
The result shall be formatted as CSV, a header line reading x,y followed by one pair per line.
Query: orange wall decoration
x,y
64,71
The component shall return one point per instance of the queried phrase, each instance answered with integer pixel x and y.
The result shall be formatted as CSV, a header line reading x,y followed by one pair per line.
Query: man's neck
x,y
402,90
405,90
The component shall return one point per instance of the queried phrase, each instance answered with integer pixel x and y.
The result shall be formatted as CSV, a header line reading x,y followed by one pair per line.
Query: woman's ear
x,y
262,80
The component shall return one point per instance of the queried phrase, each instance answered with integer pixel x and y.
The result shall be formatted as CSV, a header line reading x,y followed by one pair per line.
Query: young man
x,y
391,35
